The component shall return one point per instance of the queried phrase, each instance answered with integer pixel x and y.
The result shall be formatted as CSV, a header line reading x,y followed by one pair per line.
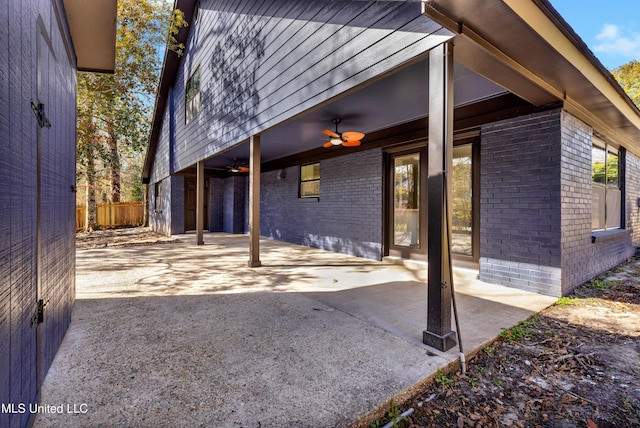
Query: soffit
x,y
526,47
93,31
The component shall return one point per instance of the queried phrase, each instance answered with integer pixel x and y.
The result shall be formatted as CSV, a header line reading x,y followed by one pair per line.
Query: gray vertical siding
x,y
264,62
18,196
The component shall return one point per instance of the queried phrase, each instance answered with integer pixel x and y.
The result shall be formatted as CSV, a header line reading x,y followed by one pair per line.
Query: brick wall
x,y
582,259
519,202
177,204
234,194
632,184
169,218
347,218
216,198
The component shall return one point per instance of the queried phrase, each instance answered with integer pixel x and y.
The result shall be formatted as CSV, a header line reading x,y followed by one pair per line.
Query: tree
x,y
628,75
114,110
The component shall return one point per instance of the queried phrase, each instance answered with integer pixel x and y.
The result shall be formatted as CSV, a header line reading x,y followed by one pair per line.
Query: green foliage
x,y
114,110
442,379
567,301
473,381
176,22
598,284
394,412
628,75
521,331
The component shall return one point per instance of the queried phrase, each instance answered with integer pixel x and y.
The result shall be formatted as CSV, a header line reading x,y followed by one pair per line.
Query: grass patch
x,y
443,379
598,284
567,301
521,331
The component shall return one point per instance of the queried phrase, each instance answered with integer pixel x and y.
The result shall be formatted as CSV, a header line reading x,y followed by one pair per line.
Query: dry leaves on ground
x,y
576,364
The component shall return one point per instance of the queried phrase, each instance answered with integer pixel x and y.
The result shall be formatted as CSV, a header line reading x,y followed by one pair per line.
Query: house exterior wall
x,y
632,188
347,218
520,215
582,259
216,195
168,219
536,205
264,62
37,68
162,158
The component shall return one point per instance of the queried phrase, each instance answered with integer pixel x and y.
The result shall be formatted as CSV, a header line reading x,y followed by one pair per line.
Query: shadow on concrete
x,y
189,335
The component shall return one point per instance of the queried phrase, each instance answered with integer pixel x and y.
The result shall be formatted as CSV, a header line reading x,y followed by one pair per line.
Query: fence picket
x,y
112,214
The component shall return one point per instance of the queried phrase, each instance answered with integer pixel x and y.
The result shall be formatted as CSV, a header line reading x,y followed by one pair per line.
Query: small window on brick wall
x,y
607,194
310,181
192,97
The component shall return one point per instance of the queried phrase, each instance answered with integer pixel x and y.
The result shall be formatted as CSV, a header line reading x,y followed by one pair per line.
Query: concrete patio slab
x,y
186,335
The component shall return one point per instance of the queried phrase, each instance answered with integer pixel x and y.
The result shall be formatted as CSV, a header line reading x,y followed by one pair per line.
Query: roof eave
x,y
93,30
170,68
556,62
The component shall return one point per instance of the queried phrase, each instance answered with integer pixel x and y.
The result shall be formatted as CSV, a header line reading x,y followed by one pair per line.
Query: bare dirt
x,y
575,364
125,237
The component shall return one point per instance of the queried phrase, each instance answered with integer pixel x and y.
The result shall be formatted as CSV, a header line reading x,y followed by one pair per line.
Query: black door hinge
x,y
38,110
38,317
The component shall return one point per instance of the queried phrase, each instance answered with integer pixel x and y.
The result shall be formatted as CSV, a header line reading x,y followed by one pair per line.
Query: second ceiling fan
x,y
347,139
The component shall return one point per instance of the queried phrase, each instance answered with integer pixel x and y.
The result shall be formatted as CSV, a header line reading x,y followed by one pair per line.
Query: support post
x,y
254,202
440,150
200,203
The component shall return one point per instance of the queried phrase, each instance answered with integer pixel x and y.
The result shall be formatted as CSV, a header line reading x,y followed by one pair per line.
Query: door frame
x,y
468,137
187,180
418,253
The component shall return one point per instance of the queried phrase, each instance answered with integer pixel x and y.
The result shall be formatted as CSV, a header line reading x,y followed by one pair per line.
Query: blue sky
x,y
610,28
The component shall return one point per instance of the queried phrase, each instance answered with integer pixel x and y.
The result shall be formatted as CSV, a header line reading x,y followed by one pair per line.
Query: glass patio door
x,y
407,205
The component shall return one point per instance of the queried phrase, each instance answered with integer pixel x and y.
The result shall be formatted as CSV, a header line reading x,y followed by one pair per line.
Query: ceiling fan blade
x,y
243,169
351,143
327,144
331,133
352,136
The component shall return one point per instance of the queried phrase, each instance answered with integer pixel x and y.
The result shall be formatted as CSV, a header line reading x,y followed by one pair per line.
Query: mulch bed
x,y
576,364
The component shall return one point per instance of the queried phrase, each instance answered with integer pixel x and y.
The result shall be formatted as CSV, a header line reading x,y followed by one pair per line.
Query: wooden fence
x,y
113,214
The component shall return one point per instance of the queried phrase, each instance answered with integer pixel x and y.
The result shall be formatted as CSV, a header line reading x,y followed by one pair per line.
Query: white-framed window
x,y
310,181
607,193
192,97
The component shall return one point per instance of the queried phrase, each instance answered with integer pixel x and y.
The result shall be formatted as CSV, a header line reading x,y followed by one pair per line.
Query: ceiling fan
x,y
236,167
347,139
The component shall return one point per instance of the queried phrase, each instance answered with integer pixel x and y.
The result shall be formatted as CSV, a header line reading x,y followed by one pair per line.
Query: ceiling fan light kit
x,y
237,168
347,139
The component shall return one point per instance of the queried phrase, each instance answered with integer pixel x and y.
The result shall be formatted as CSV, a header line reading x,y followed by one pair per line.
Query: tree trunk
x,y
114,166
91,215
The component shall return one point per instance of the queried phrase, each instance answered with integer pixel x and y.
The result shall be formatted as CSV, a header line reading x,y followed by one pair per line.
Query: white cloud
x,y
612,41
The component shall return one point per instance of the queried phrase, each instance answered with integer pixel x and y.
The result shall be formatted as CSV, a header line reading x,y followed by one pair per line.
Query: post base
x,y
441,343
255,263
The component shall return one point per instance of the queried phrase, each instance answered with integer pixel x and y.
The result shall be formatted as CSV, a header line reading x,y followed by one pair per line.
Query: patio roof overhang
x,y
556,68
556,64
93,31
